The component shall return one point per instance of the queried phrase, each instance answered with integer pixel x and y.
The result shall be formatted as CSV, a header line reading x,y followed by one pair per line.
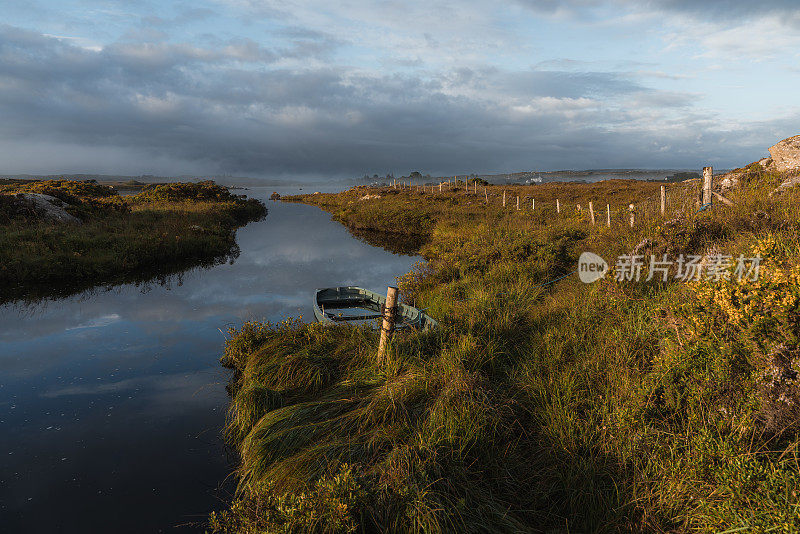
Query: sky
x,y
318,89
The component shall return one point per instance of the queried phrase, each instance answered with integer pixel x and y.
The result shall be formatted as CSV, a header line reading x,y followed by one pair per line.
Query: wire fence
x,y
668,202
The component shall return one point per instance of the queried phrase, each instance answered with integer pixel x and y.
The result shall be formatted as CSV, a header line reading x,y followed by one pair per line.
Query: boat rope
x,y
703,207
557,279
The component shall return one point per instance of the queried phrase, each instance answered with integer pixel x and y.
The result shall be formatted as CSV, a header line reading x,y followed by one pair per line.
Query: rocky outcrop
x,y
786,185
47,207
730,181
786,154
784,158
766,163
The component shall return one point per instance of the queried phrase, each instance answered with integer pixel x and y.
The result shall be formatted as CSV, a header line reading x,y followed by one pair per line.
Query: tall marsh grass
x,y
119,239
661,407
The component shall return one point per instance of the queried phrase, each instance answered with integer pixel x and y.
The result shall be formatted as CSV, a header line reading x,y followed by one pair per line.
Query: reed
x,y
563,407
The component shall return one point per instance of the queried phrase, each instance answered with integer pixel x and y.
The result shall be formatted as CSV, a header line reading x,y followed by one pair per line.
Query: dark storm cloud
x,y
230,108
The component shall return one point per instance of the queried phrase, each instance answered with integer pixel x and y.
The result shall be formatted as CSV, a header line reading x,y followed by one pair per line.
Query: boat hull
x,y
344,297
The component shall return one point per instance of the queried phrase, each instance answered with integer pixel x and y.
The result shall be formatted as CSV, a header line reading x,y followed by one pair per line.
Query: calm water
x,y
111,403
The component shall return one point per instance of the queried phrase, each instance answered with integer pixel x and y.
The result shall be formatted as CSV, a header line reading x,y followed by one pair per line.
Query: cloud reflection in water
x,y
125,385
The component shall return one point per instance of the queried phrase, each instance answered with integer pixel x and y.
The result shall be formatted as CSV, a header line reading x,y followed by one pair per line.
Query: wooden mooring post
x,y
663,199
708,181
387,328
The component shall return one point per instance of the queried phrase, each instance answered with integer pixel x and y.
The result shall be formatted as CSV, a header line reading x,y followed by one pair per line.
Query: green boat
x,y
331,305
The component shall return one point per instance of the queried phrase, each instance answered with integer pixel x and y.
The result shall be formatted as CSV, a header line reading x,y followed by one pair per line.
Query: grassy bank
x,y
163,229
568,407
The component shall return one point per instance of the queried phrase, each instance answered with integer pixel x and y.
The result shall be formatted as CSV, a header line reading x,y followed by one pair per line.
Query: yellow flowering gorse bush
x,y
767,306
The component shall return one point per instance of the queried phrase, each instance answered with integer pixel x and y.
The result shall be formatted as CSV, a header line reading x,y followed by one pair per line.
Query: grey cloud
x,y
172,106
570,84
185,15
724,8
553,6
709,10
146,34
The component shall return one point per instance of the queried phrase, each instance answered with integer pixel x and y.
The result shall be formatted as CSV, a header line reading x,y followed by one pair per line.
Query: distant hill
x,y
533,177
590,175
122,180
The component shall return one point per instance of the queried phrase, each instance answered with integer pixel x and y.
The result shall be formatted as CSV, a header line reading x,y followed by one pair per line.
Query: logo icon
x,y
591,267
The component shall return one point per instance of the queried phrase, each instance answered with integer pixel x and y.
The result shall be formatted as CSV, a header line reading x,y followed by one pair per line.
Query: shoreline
x,y
162,230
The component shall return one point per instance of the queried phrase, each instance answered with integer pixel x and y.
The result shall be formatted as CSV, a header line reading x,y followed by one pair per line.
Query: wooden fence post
x,y
486,195
440,187
558,206
591,212
632,209
608,215
475,187
533,204
663,199
504,199
517,202
387,328
708,179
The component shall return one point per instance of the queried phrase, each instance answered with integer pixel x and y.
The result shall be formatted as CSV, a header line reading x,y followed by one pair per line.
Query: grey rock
x,y
729,181
787,184
786,154
48,207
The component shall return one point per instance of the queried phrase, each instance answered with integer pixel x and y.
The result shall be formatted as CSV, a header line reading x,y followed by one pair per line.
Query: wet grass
x,y
120,239
561,408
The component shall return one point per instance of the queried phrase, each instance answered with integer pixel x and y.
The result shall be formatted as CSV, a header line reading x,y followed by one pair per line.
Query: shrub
x,y
176,192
